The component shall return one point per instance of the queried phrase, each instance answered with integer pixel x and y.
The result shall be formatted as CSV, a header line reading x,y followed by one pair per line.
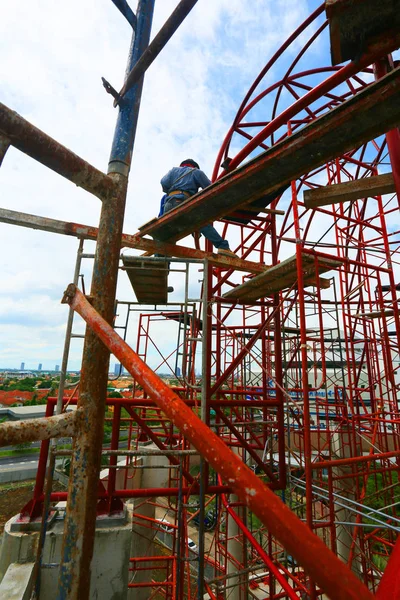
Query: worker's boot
x,y
227,252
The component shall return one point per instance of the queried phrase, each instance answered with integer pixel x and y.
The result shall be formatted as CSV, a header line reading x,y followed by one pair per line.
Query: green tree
x,y
114,394
44,385
6,384
27,384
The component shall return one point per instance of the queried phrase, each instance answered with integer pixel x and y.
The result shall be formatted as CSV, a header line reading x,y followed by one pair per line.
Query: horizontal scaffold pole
x,y
38,145
33,430
334,577
87,232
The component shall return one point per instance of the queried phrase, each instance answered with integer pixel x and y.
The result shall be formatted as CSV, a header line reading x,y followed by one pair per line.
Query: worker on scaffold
x,y
179,184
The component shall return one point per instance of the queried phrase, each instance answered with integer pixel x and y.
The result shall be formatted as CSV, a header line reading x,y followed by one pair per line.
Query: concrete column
x,y
236,548
143,533
142,545
109,572
345,488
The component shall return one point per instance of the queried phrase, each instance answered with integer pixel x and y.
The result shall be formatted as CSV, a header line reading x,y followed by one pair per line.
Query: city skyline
x,y
26,367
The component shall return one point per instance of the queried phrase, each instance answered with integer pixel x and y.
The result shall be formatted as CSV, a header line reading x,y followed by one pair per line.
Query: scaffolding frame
x,y
293,369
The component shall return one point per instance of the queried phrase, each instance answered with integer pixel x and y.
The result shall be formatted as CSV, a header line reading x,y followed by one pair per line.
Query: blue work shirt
x,y
185,179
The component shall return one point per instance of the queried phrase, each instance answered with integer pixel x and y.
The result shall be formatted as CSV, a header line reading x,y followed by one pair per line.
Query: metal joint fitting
x,y
69,294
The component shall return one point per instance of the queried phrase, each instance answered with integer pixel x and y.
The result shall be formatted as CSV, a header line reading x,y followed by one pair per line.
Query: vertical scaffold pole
x,y
304,362
125,130
80,521
381,68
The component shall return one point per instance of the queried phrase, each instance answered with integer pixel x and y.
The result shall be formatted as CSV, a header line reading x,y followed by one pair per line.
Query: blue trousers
x,y
209,232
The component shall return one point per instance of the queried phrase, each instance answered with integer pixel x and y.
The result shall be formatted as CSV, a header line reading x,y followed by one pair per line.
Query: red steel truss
x,y
281,433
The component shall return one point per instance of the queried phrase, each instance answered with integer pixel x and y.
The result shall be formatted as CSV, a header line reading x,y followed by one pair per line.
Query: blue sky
x,y
53,56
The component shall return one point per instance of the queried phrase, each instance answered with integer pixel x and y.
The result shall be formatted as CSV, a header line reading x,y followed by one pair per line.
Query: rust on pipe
x,y
368,114
4,146
87,232
80,518
32,430
334,577
40,146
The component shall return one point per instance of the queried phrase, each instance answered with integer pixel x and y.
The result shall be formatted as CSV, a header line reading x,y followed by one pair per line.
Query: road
x,y
32,445
6,462
17,460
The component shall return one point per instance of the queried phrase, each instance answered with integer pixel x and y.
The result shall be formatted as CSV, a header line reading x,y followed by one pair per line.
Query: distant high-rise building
x,y
116,369
57,368
178,372
39,367
22,366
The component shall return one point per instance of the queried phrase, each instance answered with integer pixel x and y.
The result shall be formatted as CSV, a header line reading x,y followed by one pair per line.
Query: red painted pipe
x,y
144,492
267,560
34,507
381,48
381,68
334,577
326,464
148,402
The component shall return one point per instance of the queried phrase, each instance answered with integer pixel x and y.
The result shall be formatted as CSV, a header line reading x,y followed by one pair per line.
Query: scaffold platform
x,y
281,277
149,278
371,112
355,24
349,191
262,413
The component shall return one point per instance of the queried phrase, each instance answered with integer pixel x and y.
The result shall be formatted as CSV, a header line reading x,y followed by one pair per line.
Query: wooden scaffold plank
x,y
376,314
372,112
87,232
149,278
280,277
354,24
349,191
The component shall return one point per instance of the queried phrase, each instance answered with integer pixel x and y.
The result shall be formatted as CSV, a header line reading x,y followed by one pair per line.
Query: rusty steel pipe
x,y
366,115
4,146
153,50
87,232
334,577
40,146
80,519
33,430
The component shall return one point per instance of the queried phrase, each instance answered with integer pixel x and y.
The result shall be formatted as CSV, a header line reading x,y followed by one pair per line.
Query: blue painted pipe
x,y
125,130
126,10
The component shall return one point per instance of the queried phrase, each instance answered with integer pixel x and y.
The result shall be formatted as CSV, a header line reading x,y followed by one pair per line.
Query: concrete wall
x,y
18,472
17,583
114,545
109,580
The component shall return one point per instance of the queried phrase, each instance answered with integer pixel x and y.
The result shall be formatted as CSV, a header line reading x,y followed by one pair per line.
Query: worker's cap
x,y
189,162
